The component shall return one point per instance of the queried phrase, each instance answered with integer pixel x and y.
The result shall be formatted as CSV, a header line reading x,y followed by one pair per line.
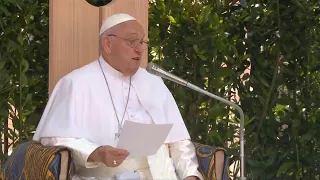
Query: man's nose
x,y
138,49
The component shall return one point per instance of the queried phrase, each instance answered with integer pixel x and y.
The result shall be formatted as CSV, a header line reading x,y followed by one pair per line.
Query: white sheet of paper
x,y
143,139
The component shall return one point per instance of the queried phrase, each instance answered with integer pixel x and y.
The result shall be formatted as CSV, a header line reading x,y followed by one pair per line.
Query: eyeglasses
x,y
137,43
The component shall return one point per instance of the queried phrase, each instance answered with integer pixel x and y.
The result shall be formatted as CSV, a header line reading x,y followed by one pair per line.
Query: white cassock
x,y
80,116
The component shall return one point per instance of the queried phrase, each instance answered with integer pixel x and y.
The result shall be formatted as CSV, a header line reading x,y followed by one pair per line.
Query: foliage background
x,y
266,51
212,43
24,54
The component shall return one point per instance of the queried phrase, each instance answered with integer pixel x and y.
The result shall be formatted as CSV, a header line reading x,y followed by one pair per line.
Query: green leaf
x,y
196,48
203,72
34,118
217,83
1,25
215,111
296,40
284,100
172,20
284,167
2,64
296,122
263,81
202,57
12,45
257,172
4,10
20,39
28,98
262,100
23,80
255,163
204,14
247,120
275,50
280,107
296,2
224,72
216,136
25,65
306,137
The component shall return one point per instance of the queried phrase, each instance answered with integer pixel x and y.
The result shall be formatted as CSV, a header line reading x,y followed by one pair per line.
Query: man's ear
x,y
106,44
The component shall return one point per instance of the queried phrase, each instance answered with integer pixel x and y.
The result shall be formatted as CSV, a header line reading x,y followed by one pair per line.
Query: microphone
x,y
158,71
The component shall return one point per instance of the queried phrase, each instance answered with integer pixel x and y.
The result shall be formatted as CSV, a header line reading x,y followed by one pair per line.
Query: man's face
x,y
124,47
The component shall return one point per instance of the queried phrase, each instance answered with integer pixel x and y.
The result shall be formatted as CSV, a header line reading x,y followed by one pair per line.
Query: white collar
x,y
110,70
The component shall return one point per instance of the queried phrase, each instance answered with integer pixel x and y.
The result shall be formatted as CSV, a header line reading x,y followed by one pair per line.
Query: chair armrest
x,y
213,162
31,160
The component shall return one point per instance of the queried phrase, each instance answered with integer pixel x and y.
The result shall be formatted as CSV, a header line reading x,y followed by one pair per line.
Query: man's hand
x,y
110,156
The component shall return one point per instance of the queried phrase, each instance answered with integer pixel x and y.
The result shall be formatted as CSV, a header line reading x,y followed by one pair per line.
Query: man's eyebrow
x,y
130,35
133,34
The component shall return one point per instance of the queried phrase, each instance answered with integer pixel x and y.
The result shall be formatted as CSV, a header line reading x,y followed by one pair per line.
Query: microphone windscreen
x,y
151,68
158,71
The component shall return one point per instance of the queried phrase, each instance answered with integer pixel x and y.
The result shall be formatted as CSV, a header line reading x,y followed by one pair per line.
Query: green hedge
x,y
24,54
209,43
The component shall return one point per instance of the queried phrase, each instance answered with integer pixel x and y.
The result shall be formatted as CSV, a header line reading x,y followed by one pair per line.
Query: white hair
x,y
104,34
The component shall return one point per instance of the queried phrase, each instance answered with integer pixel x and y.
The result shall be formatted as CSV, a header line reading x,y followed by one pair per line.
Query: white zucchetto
x,y
115,20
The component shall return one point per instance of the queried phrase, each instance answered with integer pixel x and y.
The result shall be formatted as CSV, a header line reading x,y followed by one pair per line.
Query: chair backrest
x,y
213,162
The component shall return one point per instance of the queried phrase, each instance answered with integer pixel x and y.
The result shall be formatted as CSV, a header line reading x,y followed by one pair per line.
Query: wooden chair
x,y
31,160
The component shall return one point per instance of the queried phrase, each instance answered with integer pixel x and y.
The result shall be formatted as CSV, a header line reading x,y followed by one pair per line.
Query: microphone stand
x,y
196,88
156,70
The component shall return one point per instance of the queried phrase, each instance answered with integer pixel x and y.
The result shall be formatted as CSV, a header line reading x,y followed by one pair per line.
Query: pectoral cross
x,y
117,135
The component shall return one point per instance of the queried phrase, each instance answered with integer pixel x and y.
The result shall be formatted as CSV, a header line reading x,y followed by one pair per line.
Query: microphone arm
x,y
156,70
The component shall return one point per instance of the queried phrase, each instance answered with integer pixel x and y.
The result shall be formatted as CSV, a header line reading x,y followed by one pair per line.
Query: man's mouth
x,y
136,58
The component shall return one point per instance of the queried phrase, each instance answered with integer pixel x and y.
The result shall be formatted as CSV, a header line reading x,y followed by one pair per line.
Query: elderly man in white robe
x,y
88,107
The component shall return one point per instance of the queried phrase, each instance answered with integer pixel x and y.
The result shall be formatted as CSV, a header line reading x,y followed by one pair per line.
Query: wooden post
x,y
74,32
